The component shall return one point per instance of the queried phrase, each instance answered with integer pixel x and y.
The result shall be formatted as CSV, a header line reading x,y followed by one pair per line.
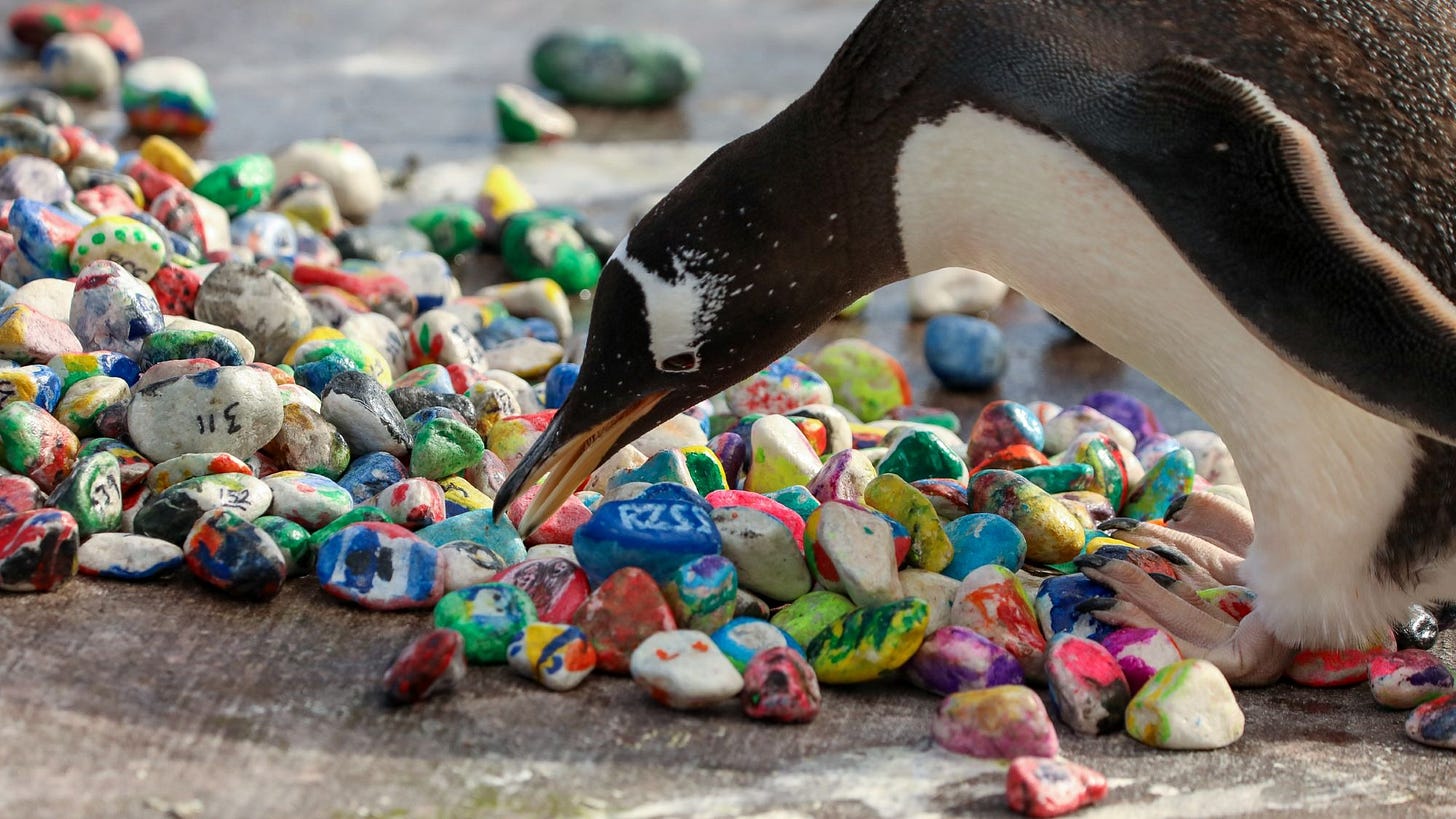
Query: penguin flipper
x,y
1251,199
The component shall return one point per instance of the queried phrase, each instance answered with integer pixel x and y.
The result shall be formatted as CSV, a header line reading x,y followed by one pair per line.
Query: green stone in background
x,y
626,68
453,229
539,245
528,117
292,539
798,499
240,184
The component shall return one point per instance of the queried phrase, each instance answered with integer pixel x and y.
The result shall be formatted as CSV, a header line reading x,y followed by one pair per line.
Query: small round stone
x,y
556,655
380,566
684,669
121,556
965,352
995,723
431,664
954,659
780,686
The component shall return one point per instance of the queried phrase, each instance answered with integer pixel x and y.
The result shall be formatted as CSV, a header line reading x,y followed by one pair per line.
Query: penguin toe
x,y
1197,560
1212,518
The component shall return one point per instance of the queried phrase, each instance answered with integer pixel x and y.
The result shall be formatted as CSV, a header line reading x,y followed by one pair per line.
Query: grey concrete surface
x,y
165,700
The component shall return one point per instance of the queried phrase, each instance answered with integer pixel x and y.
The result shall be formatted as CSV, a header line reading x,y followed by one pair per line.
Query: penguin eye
x,y
680,363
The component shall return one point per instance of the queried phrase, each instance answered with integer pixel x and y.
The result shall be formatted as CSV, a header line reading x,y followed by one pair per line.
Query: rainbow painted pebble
x,y
555,655
1187,705
702,593
380,566
488,616
1408,678
309,500
1434,723
992,602
37,550
742,638
1141,653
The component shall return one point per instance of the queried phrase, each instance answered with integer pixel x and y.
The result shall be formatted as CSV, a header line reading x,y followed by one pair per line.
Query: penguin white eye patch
x,y
679,312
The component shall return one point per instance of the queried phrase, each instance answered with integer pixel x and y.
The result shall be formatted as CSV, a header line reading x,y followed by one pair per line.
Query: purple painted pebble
x,y
955,658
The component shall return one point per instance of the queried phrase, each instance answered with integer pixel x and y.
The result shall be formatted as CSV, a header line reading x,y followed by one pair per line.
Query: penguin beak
x,y
566,459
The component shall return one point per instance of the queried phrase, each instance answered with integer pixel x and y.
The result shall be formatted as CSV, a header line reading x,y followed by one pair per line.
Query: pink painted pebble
x,y
1334,668
556,585
1434,723
1408,678
1141,652
1088,689
996,723
955,658
779,685
1051,787
431,664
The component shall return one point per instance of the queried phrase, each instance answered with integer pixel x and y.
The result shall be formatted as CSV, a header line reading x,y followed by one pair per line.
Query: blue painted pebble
x,y
1056,607
235,557
381,566
981,539
559,381
964,352
369,474
121,556
656,536
743,637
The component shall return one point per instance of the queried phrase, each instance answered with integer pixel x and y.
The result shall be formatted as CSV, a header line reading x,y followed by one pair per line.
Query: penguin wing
x,y
1249,196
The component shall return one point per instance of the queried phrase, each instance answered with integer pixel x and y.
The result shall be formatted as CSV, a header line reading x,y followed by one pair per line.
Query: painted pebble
x,y
229,409
555,655
743,637
852,551
488,616
37,550
35,444
810,614
232,555
954,659
312,501
1141,653
1088,688
121,556
1434,723
995,723
1052,534
1186,706
780,686
684,669
91,494
930,548
1408,678
964,352
992,602
869,643
658,536
624,610
171,513
557,586
983,539
605,67
431,664
763,549
380,566
1051,787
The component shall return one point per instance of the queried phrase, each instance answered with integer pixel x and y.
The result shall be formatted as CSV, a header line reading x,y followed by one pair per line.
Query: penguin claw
x,y
1214,519
1201,561
1245,651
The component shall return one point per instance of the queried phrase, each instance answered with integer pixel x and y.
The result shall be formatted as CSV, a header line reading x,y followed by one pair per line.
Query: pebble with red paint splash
x,y
556,585
1434,723
1235,601
560,527
1051,787
1408,678
431,664
413,503
779,685
36,444
1087,685
35,23
19,494
176,289
37,550
234,556
996,723
625,610
1332,669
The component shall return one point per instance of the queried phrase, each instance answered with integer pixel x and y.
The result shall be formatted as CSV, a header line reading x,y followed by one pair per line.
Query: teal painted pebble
x,y
981,539
702,593
921,455
1173,475
605,67
479,526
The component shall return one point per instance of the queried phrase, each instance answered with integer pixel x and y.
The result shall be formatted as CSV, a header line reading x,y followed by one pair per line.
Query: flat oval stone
x,y
555,655
810,614
235,557
431,664
702,593
1051,787
1052,533
468,564
768,559
37,550
1434,723
361,410
557,586
479,527
170,514
624,610
380,566
852,551
133,245
683,669
121,556
930,548
619,68
657,536
743,637
995,723
309,500
1408,678
1186,706
194,465
780,686
228,409
956,658
993,603
488,616
983,539
753,500
1087,685
869,643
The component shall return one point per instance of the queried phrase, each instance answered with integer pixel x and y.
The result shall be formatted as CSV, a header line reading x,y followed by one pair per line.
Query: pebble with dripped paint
x,y
619,614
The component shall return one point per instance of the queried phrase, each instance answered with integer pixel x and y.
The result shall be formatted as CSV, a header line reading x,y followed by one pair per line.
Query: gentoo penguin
x,y
1251,201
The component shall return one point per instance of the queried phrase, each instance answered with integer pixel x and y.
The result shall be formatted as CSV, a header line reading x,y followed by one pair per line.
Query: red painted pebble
x,y
1088,689
556,585
37,550
1051,787
1141,652
1335,668
779,685
431,664
560,527
625,610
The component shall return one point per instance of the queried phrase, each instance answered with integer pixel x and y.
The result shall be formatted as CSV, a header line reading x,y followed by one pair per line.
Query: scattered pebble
x,y
555,655
995,723
431,664
780,686
1187,705
1408,678
1434,723
1036,786
1088,688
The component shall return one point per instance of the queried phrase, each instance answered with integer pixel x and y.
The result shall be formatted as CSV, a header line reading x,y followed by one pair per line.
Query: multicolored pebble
x,y
1071,423
741,638
557,586
684,669
1434,723
293,540
167,95
112,310
308,443
1058,601
624,610
37,550
810,614
91,494
35,444
1001,424
1087,685
171,513
869,643
783,386
28,336
488,616
1186,706
194,465
121,556
380,566
780,456
1052,534
433,663
35,383
412,503
1141,653
992,602
702,593
658,536
1408,678
780,686
955,658
1051,787
852,550
866,379
1333,668
312,501
555,655
930,548
995,723
19,494
232,555
1171,477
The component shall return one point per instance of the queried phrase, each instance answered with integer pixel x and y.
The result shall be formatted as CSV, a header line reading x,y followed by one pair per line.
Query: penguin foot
x,y
1204,562
1213,518
1245,651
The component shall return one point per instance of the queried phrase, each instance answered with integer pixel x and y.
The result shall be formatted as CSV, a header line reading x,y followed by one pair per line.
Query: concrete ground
x,y
166,700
